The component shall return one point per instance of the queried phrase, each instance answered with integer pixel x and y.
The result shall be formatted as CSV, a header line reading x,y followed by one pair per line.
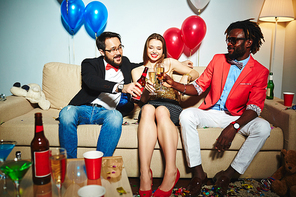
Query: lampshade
x,y
282,10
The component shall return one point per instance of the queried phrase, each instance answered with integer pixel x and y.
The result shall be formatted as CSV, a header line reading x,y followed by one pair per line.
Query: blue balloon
x,y
95,16
69,30
72,12
91,33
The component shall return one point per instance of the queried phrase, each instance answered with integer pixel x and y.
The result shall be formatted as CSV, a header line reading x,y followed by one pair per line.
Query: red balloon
x,y
174,42
193,31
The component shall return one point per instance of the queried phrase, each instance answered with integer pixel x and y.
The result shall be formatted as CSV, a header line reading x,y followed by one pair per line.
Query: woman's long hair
x,y
164,48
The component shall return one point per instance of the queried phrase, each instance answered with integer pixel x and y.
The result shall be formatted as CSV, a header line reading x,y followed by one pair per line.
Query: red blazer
x,y
249,88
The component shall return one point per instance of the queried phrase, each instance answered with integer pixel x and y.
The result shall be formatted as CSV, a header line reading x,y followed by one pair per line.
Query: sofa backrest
x,y
62,81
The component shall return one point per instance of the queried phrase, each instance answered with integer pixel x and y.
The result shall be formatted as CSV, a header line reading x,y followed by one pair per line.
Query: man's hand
x,y
225,139
132,88
168,80
188,63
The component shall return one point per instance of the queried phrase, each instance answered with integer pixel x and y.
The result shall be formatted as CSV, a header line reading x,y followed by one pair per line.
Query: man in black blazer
x,y
103,99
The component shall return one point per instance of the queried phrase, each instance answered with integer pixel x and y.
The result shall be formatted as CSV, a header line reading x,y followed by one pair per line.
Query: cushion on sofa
x,y
60,83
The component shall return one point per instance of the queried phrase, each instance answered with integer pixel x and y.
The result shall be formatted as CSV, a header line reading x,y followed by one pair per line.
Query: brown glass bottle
x,y
40,154
42,190
142,82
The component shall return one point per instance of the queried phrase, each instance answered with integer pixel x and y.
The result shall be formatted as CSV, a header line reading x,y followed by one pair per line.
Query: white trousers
x,y
257,130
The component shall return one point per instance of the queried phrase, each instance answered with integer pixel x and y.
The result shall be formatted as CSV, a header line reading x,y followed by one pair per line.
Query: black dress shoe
x,y
195,185
221,183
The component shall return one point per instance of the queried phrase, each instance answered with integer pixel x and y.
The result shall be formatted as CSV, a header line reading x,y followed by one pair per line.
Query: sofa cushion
x,y
60,83
21,129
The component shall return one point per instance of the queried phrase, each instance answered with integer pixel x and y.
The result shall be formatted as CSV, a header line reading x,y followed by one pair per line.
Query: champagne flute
x,y
160,74
58,160
152,78
5,149
16,170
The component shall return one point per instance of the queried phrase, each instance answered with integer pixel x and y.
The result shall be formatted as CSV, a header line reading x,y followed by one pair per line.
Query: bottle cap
x,y
18,155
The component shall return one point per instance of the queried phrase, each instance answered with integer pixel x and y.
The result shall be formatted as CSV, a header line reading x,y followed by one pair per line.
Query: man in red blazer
x,y
236,97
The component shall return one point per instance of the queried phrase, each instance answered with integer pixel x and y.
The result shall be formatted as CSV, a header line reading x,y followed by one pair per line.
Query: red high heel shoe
x,y
147,193
160,193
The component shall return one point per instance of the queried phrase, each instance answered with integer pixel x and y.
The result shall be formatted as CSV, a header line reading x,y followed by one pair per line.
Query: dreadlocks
x,y
252,32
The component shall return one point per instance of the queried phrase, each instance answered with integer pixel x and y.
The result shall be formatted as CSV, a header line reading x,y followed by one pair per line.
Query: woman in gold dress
x,y
159,116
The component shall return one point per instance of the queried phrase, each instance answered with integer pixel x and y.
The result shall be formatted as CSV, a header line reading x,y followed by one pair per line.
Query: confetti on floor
x,y
241,187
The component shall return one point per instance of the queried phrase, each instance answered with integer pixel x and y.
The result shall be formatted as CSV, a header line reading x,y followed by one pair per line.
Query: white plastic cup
x,y
92,191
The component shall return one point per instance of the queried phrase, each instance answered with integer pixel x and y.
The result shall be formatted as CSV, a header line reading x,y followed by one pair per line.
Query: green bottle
x,y
270,87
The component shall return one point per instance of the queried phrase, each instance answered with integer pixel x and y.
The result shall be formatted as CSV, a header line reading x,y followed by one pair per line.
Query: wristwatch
x,y
236,126
120,87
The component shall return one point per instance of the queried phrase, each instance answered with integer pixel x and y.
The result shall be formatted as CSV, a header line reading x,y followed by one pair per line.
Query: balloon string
x,y
198,57
69,49
95,45
73,47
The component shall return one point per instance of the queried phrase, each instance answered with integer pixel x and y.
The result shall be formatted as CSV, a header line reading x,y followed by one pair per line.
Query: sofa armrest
x,y
13,107
275,113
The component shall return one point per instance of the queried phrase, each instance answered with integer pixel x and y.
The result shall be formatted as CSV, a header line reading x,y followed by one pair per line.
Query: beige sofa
x,y
62,81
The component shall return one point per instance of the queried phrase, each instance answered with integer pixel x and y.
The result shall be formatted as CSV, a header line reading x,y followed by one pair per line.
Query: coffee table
x,y
113,178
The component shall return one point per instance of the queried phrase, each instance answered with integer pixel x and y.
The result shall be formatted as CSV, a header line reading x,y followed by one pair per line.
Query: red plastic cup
x,y
93,164
288,98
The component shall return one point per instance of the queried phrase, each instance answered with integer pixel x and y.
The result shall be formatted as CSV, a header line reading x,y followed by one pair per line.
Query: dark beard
x,y
111,61
236,54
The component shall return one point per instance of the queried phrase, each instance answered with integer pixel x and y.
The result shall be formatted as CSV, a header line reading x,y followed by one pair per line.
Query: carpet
x,y
239,188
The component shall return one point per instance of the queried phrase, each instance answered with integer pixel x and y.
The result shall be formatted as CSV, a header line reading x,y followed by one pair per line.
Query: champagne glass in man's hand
x,y
160,73
168,80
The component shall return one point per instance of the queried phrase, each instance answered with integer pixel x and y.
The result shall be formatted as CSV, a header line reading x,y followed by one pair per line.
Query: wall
x,y
289,71
32,34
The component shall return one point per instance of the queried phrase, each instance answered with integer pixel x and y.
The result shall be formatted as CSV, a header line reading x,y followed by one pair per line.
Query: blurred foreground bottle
x,y
42,190
40,154
270,87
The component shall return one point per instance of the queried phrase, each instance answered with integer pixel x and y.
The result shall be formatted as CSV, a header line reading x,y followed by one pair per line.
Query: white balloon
x,y
200,4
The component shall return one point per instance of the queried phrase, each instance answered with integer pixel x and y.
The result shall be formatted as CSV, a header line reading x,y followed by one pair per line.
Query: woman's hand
x,y
150,86
188,63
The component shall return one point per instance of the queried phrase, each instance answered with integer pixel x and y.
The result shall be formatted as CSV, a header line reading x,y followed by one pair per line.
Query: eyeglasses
x,y
114,49
233,40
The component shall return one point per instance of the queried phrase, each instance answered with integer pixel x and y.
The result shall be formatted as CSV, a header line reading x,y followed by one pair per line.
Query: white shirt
x,y
110,100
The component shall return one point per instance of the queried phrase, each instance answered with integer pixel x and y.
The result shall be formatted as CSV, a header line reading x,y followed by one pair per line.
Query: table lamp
x,y
276,11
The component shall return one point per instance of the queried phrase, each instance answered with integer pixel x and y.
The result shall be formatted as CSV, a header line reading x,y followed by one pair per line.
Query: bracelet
x,y
184,89
189,77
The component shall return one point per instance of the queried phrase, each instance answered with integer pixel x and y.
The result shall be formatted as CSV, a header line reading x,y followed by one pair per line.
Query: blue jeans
x,y
72,116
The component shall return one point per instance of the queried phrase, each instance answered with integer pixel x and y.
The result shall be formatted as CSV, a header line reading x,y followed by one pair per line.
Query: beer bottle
x,y
270,87
142,82
40,154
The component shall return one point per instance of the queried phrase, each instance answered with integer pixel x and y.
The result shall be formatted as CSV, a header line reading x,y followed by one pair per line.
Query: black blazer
x,y
93,79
